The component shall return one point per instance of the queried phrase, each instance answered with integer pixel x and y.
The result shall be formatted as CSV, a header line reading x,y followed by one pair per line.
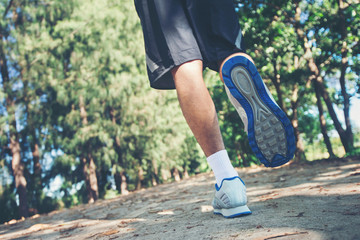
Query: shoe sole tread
x,y
270,132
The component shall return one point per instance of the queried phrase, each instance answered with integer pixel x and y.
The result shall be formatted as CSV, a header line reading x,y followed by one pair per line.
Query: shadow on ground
x,y
320,200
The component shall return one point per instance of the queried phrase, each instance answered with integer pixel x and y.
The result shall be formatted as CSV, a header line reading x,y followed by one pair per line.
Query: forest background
x,y
79,121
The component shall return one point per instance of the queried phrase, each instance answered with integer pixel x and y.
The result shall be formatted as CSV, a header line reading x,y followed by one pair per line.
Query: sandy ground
x,y
318,200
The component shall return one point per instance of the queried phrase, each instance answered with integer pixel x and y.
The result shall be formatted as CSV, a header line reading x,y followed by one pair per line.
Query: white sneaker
x,y
230,198
270,133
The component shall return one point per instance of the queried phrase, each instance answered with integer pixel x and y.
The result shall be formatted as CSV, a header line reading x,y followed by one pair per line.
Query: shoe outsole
x,y
270,133
233,212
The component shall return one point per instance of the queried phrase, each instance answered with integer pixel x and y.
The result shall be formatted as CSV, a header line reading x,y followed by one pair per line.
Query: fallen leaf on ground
x,y
281,235
110,232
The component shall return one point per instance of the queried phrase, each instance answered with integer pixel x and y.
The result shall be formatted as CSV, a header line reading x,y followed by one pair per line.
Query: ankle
x,y
221,165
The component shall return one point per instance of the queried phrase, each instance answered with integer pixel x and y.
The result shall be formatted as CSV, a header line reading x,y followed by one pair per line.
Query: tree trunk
x,y
120,182
344,65
37,172
89,171
120,177
346,140
155,173
20,181
153,180
89,167
123,185
36,162
300,149
93,178
117,179
140,178
277,83
185,173
176,175
16,164
322,121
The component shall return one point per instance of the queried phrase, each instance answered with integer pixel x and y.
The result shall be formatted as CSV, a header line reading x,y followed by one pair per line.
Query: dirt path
x,y
313,201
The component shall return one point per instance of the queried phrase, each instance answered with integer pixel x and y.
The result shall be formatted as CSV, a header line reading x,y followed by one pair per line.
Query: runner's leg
x,y
197,106
199,111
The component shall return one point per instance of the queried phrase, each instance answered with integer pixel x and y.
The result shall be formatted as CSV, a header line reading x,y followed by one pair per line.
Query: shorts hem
x,y
165,80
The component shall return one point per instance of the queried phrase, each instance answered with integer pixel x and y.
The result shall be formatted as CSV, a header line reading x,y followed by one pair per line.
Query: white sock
x,y
221,166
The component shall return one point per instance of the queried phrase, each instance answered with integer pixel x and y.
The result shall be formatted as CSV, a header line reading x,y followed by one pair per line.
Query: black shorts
x,y
178,31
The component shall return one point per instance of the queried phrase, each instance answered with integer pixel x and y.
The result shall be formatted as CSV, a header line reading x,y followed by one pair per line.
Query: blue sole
x,y
235,215
242,61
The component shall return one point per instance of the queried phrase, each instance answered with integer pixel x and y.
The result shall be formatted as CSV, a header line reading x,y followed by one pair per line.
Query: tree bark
x,y
89,171
20,181
277,81
300,149
120,177
93,178
140,178
123,185
344,66
117,179
322,121
153,180
185,173
176,174
346,140
37,171
16,164
155,173
89,167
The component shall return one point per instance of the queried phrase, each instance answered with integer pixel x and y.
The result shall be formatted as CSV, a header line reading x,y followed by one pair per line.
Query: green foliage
x,y
101,68
80,91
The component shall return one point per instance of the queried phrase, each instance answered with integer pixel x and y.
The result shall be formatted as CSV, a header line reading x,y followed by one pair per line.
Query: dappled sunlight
x,y
206,208
285,233
283,202
318,181
166,212
81,228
